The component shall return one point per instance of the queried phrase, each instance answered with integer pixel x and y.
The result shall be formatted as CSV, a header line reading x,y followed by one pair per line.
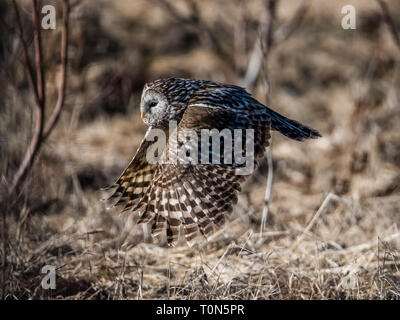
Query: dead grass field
x,y
334,214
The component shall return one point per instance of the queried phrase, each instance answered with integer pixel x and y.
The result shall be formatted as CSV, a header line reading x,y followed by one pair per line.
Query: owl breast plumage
x,y
195,196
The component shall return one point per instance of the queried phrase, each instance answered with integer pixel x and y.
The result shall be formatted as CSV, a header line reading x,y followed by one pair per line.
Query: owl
x,y
195,197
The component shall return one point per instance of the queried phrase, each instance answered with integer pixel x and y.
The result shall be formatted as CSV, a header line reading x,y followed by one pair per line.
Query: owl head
x,y
154,107
165,99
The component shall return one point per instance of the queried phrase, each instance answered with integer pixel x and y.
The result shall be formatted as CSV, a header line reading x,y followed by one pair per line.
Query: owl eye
x,y
153,104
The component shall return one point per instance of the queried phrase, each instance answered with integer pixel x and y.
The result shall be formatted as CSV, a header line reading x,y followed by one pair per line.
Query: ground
x,y
334,212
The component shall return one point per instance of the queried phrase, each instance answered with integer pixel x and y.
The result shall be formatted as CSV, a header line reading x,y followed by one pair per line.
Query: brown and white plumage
x,y
197,196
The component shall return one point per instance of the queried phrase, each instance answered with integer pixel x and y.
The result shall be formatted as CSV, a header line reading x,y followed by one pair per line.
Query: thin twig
x,y
198,25
257,63
389,21
222,257
285,31
315,218
262,44
37,39
64,59
140,287
240,37
268,189
28,65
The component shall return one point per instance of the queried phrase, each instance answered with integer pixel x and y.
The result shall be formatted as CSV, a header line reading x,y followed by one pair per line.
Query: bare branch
x,y
38,54
26,55
168,7
64,59
197,24
268,190
74,4
262,44
268,36
39,110
40,134
240,38
257,64
321,209
285,31
389,21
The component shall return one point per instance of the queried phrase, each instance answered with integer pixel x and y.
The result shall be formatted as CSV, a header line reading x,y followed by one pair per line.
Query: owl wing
x,y
196,195
134,182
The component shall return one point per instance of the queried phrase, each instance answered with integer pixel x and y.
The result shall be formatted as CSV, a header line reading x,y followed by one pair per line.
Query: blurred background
x,y
334,210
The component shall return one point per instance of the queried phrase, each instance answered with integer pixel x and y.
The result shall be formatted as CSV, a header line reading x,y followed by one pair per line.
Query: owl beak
x,y
142,116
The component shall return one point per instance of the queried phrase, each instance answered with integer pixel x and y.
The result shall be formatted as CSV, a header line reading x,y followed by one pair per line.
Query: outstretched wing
x,y
193,194
197,195
134,182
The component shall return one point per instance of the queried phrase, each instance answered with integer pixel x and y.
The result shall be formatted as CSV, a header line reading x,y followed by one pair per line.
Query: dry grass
x,y
334,214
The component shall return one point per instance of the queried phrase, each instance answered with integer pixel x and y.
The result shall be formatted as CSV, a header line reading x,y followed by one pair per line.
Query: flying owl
x,y
196,196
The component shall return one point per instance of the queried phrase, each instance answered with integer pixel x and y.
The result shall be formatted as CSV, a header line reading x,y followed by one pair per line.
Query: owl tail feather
x,y
291,128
